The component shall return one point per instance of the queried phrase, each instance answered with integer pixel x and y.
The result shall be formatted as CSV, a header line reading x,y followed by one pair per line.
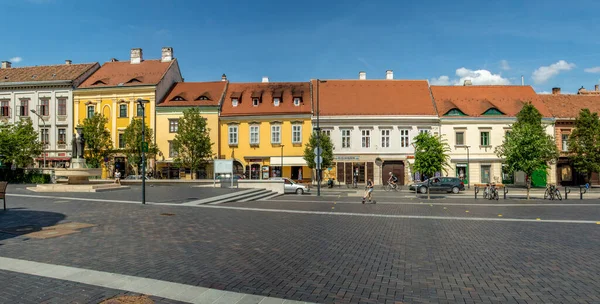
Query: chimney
x,y
596,88
223,77
581,90
362,75
265,79
136,56
68,62
114,60
555,91
468,82
522,80
167,54
389,74
6,64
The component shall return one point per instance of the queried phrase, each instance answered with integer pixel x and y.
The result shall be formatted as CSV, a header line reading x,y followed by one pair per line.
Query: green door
x,y
538,179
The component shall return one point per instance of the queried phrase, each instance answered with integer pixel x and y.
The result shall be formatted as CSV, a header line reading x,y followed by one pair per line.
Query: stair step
x,y
221,197
257,197
237,197
274,195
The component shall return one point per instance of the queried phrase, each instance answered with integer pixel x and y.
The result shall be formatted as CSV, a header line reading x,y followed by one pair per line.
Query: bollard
x,y
476,191
567,191
505,191
582,190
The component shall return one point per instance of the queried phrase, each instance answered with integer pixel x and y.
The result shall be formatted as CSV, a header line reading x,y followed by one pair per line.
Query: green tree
x,y
98,142
326,147
132,136
192,142
19,143
528,148
584,143
431,155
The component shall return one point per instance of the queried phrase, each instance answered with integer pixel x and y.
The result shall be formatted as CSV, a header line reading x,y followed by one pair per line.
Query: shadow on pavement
x,y
18,221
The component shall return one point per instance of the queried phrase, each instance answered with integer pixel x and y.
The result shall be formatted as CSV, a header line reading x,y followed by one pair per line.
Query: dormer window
x,y
297,101
98,82
276,101
234,102
492,111
203,98
255,102
134,80
178,98
455,112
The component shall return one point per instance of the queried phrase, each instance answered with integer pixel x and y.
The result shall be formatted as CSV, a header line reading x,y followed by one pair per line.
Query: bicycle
x,y
486,191
493,193
552,193
389,186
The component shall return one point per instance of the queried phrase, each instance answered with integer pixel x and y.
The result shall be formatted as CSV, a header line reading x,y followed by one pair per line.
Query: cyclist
x,y
393,180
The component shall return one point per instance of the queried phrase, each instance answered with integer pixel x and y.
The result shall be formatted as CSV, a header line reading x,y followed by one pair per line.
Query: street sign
x,y
145,147
318,151
318,161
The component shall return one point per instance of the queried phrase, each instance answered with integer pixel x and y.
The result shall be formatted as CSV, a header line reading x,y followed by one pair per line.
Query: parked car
x,y
129,177
227,176
447,184
291,186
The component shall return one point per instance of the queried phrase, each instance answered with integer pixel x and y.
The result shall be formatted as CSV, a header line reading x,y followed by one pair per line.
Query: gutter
x,y
34,83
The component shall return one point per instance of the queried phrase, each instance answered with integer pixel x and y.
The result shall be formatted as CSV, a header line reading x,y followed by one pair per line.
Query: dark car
x,y
446,184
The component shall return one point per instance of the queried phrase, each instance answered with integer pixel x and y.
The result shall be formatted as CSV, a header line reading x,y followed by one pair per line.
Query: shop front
x,y
294,167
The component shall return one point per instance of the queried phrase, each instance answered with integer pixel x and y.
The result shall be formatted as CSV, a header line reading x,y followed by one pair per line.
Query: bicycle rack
x,y
505,191
567,191
582,191
476,191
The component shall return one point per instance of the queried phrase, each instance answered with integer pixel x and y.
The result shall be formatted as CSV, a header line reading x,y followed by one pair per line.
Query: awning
x,y
288,161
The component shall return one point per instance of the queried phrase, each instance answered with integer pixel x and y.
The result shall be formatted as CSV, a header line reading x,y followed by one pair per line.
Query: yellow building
x,y
206,96
263,123
113,90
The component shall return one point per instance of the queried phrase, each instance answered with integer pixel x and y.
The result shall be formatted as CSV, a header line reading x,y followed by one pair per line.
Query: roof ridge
x,y
49,65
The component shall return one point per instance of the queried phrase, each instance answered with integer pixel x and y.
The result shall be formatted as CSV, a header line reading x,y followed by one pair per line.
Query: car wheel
x,y
455,190
299,191
423,190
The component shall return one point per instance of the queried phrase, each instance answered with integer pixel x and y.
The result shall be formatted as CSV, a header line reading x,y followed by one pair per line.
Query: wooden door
x,y
348,172
339,168
370,171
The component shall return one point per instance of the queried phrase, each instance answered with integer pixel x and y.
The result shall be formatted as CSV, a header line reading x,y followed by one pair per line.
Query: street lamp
x,y
281,171
318,140
141,103
45,130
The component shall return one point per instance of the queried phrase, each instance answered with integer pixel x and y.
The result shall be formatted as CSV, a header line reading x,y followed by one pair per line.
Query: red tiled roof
x,y
374,97
245,91
123,73
191,93
45,72
474,100
568,106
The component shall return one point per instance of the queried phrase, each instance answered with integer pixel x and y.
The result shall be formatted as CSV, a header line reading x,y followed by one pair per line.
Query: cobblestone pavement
x,y
324,258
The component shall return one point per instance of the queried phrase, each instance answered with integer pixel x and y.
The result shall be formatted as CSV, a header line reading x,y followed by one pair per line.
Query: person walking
x,y
117,177
369,192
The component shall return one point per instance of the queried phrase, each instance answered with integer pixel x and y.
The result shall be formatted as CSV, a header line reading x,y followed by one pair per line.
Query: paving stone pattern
x,y
324,258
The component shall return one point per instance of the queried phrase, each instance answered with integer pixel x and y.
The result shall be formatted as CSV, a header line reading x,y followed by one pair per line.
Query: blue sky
x,y
551,43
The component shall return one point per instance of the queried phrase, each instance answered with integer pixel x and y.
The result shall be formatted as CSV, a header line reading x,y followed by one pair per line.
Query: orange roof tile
x,y
194,94
474,100
245,92
568,106
45,72
374,97
123,73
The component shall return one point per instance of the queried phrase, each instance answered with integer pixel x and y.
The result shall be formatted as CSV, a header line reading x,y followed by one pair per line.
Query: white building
x,y
44,94
371,121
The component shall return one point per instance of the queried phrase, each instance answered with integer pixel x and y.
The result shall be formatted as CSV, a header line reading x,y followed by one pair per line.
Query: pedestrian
x,y
117,177
300,174
369,192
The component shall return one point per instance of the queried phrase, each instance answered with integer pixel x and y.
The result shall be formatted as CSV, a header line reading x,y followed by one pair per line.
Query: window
x,y
385,138
255,102
140,110
366,138
275,134
485,138
297,101
296,134
492,111
44,136
233,135
62,136
485,173
326,132
276,101
234,102
62,107
173,125
24,107
90,111
565,142
172,152
121,141
507,133
455,112
404,138
421,131
254,135
122,110
346,138
460,138
45,107
5,108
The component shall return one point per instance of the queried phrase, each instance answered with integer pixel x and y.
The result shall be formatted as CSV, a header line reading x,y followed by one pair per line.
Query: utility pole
x,y
144,146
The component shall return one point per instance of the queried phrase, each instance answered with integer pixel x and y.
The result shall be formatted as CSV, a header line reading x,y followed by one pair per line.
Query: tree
x,y
133,143
326,147
19,143
584,143
528,148
431,156
192,142
98,142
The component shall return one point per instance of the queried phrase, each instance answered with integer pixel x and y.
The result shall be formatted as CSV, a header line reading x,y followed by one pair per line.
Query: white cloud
x,y
477,77
16,59
504,65
543,73
592,70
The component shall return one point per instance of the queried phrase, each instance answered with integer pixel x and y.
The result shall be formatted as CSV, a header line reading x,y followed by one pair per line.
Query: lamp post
x,y
281,171
318,141
45,130
141,103
468,168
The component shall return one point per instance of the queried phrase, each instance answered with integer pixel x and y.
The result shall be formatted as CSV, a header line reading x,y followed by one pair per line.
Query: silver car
x,y
291,186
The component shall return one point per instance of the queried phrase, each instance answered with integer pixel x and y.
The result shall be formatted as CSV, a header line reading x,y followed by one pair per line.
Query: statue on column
x,y
80,145
74,146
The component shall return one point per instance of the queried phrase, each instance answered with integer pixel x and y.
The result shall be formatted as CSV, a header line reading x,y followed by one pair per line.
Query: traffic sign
x,y
318,151
145,147
318,161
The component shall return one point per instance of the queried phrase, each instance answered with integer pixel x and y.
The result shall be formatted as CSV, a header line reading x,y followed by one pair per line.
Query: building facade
x,y
113,91
263,124
372,124
204,96
44,94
